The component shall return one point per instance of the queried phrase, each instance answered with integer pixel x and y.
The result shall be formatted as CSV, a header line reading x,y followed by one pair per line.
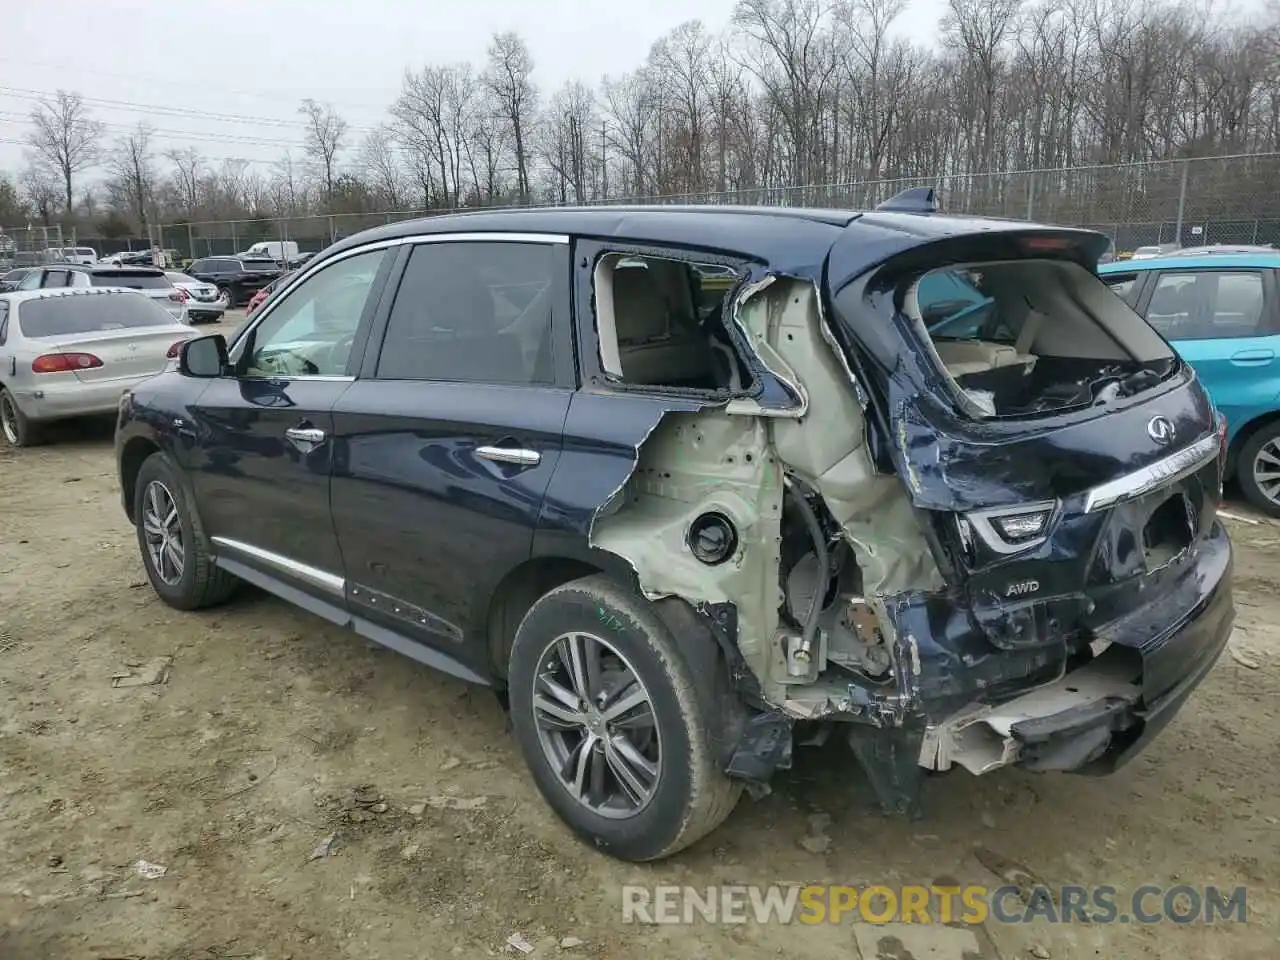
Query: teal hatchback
x,y
1220,309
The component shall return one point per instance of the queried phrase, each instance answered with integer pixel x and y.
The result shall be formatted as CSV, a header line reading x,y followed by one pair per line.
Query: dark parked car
x,y
919,479
237,278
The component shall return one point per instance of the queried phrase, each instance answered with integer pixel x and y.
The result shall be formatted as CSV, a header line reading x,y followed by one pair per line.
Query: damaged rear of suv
x,y
743,477
952,499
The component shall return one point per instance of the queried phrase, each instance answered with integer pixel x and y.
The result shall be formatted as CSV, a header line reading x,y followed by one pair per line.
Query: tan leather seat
x,y
977,356
651,346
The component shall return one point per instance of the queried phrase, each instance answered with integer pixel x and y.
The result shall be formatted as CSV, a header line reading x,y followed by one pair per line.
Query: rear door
x,y
1224,323
446,443
260,444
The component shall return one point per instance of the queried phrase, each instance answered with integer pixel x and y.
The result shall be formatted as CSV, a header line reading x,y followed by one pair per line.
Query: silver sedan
x,y
202,298
69,352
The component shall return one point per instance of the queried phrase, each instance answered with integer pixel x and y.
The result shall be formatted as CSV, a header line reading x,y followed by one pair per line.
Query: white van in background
x,y
282,250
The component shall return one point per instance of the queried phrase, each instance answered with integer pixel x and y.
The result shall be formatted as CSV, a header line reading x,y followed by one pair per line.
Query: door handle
x,y
522,458
1252,357
305,434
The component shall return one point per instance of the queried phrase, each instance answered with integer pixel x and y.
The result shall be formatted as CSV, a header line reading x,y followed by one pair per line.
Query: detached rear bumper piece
x,y
1095,718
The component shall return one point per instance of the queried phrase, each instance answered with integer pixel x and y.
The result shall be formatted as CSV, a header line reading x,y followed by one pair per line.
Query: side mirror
x,y
203,356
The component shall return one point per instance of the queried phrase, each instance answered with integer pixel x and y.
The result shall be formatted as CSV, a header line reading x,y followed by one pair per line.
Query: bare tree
x,y
133,174
326,133
382,168
41,189
509,78
188,164
65,137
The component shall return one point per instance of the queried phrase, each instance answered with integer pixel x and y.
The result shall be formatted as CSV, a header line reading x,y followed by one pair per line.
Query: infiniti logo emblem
x,y
1161,430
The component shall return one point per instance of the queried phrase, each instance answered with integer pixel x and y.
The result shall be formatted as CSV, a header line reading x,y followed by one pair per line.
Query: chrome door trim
x,y
306,434
1165,471
521,458
316,577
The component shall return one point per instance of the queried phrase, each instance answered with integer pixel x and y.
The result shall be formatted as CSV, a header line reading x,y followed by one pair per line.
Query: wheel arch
x,y
133,455
515,593
1245,433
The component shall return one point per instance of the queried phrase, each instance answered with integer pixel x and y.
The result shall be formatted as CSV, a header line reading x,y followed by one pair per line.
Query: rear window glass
x,y
84,251
1028,337
134,281
58,316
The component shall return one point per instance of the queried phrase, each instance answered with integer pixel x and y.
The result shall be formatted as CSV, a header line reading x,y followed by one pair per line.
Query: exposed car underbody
x,y
853,583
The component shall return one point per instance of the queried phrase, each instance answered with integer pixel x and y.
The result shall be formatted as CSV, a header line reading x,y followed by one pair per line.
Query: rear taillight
x,y
64,362
176,349
178,296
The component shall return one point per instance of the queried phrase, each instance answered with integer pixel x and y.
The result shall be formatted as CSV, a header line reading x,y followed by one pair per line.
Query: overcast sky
x,y
253,60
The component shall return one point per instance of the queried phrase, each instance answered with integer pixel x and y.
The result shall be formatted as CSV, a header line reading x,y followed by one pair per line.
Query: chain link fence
x,y
1232,199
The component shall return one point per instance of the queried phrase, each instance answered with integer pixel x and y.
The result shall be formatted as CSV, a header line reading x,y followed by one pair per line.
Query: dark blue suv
x,y
679,483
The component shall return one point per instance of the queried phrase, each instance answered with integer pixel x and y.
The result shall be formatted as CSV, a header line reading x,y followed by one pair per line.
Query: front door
x,y
447,441
262,448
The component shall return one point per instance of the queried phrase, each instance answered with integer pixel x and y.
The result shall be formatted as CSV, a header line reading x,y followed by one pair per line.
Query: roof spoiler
x,y
913,200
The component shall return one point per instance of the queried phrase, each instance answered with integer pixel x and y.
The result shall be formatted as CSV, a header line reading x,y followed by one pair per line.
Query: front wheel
x,y
175,550
225,298
614,728
1258,468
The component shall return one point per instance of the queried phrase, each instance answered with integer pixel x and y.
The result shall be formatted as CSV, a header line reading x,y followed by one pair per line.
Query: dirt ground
x,y
274,732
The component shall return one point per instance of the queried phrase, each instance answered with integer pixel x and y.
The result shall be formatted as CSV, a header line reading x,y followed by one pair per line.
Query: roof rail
x,y
912,200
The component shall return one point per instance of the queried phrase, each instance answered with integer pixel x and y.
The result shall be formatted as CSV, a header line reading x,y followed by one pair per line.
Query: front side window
x,y
310,332
474,312
1207,304
32,280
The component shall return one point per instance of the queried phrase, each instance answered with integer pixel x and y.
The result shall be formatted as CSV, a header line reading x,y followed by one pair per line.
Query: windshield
x,y
59,316
134,281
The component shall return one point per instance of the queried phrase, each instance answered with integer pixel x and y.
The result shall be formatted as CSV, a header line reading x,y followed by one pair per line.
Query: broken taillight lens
x,y
1011,529
1023,526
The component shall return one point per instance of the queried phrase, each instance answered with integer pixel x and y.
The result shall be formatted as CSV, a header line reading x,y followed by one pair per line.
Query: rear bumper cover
x,y
1095,718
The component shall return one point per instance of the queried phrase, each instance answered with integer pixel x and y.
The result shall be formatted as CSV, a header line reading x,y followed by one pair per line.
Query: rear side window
x,y
134,281
1207,304
54,278
476,312
57,316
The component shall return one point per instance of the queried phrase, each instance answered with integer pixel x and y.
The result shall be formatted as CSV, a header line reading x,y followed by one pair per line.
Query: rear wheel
x,y
174,547
1258,468
614,728
16,428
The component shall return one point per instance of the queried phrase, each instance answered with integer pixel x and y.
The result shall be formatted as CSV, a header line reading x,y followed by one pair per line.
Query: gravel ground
x,y
275,732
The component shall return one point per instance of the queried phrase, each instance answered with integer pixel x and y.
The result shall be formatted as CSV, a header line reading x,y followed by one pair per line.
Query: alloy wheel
x,y
596,725
1266,470
163,532
224,298
8,419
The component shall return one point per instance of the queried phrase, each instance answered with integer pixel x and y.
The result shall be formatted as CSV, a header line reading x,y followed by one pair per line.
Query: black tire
x,y
201,583
1245,460
229,295
15,427
691,796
